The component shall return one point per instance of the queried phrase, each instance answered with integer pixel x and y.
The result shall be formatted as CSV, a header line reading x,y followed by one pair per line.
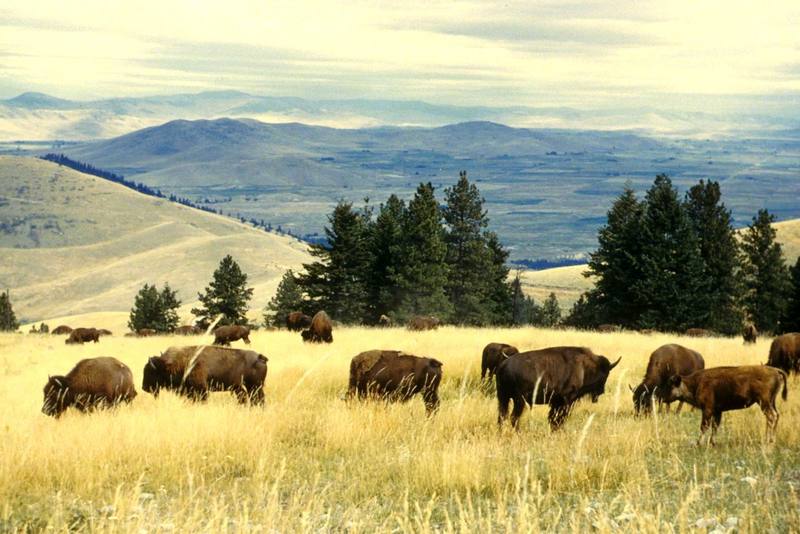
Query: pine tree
x,y
583,313
519,311
550,312
719,250
227,296
287,299
791,318
673,288
766,277
616,264
168,303
387,240
8,320
499,294
154,310
423,273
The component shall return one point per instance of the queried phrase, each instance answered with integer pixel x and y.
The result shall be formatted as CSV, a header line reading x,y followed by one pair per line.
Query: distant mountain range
x,y
40,117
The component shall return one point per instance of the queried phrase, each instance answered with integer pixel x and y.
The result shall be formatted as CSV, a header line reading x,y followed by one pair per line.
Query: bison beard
x,y
556,376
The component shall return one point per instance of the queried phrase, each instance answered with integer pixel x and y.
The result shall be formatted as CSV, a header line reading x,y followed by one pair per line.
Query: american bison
x,y
61,330
395,376
493,354
146,332
423,323
320,330
105,332
196,370
749,333
225,335
784,353
557,376
608,328
385,320
83,335
297,321
699,332
721,389
92,383
665,362
188,330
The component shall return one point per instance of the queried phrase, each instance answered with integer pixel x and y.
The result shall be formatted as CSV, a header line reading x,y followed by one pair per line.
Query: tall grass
x,y
310,461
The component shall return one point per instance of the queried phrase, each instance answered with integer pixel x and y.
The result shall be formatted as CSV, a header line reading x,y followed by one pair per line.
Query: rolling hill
x,y
73,244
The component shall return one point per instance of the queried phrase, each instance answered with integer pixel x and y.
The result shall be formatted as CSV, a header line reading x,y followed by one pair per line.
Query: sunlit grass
x,y
310,461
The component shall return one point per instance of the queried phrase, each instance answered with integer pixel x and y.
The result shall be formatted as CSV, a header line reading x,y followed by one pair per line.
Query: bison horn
x,y
631,388
615,363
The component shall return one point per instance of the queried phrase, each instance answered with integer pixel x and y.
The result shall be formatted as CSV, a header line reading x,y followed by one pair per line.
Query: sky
x,y
584,53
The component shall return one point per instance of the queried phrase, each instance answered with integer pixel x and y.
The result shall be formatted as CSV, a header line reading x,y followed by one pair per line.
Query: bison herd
x,y
555,376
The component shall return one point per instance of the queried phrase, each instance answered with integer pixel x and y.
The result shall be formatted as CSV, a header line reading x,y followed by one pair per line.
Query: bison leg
x,y
772,415
257,396
502,407
246,339
516,412
680,405
558,413
484,371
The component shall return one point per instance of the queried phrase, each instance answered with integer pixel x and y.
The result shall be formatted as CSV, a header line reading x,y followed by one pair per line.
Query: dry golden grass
x,y
309,461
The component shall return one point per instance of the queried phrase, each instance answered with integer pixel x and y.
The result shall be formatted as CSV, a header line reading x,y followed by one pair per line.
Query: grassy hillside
x,y
73,243
309,462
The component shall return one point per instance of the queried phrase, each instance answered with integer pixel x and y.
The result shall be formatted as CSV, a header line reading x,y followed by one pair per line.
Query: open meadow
x,y
309,461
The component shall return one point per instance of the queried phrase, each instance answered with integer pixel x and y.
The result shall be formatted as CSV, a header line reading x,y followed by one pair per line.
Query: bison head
x,y
677,390
595,382
642,399
55,396
155,375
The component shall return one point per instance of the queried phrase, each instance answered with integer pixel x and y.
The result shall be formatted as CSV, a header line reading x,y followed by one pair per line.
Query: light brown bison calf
x,y
225,335
492,355
92,383
784,353
83,335
721,389
665,362
188,330
297,321
60,330
423,323
749,333
395,376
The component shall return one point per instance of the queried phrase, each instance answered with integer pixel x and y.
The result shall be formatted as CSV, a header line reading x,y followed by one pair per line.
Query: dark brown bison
x,y
647,331
784,353
749,333
83,335
210,368
665,362
225,335
721,389
493,354
385,320
320,330
395,376
188,330
105,332
297,321
61,330
699,332
557,376
146,332
423,323
607,328
92,383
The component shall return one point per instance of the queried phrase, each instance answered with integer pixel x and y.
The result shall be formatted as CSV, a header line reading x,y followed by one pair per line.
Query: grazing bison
x,y
784,353
395,376
749,333
385,320
188,330
423,323
105,332
297,321
647,331
607,328
61,330
557,376
83,335
493,354
146,332
92,383
320,330
210,368
665,362
699,332
225,335
721,389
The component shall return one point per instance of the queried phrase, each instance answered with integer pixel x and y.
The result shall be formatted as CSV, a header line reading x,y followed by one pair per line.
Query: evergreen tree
x,y
719,250
583,313
387,247
673,289
791,318
8,320
227,295
154,310
550,314
518,301
616,264
499,294
287,299
423,273
766,277
169,304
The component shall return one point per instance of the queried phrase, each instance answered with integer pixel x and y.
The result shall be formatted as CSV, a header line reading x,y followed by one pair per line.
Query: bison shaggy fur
x,y
784,353
83,335
92,383
665,362
225,335
320,330
61,330
297,321
420,323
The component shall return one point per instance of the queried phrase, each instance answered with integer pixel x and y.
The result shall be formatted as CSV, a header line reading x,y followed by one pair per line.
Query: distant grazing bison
x,y
557,376
92,383
665,362
385,320
493,354
784,353
608,328
297,321
749,333
188,330
320,330
83,335
721,389
105,332
61,330
146,332
207,368
225,335
423,323
395,376
699,332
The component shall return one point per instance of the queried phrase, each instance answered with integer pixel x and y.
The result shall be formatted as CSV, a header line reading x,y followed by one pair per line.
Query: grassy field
x,y
309,461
